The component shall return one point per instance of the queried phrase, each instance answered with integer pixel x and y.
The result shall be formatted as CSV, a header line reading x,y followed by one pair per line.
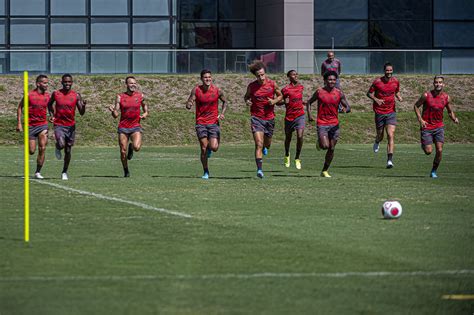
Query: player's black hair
x,y
129,77
256,66
41,77
438,77
66,75
289,73
329,73
387,64
204,71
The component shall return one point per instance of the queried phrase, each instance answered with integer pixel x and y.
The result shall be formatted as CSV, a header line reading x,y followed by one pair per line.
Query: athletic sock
x,y
64,169
206,170
259,164
38,168
389,157
325,167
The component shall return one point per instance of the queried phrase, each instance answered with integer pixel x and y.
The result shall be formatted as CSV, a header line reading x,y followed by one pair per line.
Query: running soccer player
x,y
294,116
327,122
206,97
37,122
262,95
431,120
383,92
63,104
129,128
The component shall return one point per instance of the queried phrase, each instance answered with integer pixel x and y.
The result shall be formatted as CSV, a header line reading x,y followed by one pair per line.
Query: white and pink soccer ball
x,y
391,209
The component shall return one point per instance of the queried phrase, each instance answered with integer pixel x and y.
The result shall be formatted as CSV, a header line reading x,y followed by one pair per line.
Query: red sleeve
x,y
372,87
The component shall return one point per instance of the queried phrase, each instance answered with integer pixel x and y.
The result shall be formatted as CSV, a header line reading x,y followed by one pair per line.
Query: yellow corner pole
x,y
27,156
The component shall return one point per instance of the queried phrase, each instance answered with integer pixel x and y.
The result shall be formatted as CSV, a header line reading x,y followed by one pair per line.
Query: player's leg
x,y
69,137
288,136
67,160
269,126
390,145
59,135
42,142
32,145
135,144
123,145
328,141
214,136
438,136
379,130
258,138
204,143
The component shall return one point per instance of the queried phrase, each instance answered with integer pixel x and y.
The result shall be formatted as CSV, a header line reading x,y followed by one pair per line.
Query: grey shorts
x,y
297,124
382,120
260,125
208,131
65,135
332,132
433,135
129,131
33,132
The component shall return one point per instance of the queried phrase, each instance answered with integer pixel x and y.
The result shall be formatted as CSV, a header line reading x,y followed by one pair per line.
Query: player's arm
x,y
417,106
247,97
19,113
451,112
340,67
371,95
191,99
223,98
309,103
278,96
52,107
284,98
144,108
81,104
323,69
345,103
114,108
397,94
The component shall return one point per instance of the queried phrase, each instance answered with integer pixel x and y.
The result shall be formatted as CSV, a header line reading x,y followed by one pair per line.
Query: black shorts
x,y
129,131
208,131
432,135
260,125
381,120
331,131
33,132
297,124
65,135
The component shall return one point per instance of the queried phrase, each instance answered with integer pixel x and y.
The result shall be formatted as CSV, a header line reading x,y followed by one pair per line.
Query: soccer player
x,y
294,116
37,122
206,97
129,128
383,92
333,64
431,120
327,122
63,104
262,95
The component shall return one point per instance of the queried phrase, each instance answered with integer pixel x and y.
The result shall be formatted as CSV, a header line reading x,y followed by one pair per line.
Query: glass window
x,y
237,9
150,7
27,31
68,31
458,61
345,34
27,7
400,10
2,7
454,34
151,62
109,62
2,32
400,34
198,9
69,62
68,7
3,62
28,61
460,10
341,9
151,31
109,31
237,35
109,7
198,35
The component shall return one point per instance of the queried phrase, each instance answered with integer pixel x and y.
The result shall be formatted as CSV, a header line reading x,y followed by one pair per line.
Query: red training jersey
x,y
37,108
386,92
259,95
433,109
328,104
130,110
65,108
207,105
294,108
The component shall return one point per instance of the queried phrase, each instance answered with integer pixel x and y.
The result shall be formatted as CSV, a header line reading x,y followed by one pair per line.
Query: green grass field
x,y
292,243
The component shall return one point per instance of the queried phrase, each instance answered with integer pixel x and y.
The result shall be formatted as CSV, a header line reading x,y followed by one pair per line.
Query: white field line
x,y
103,197
372,274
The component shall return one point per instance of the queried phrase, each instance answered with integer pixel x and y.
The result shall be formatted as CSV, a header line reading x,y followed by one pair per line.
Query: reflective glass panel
x,y
236,35
151,62
150,7
454,34
400,10
2,32
345,33
2,7
109,62
400,34
109,7
28,61
109,31
27,7
151,31
341,9
458,61
460,10
27,31
68,7
237,9
69,62
198,9
68,31
198,35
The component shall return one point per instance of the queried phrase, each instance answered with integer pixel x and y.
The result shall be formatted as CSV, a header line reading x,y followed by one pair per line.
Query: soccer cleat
x,y
265,151
298,164
38,175
205,176
130,152
209,153
389,164
260,174
126,174
58,154
433,174
325,174
64,176
376,146
287,161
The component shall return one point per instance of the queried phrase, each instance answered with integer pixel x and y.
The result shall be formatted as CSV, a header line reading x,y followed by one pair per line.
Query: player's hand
x,y
423,123
379,101
112,108
84,102
400,99
189,105
19,127
221,117
456,120
51,119
310,118
248,102
271,101
143,116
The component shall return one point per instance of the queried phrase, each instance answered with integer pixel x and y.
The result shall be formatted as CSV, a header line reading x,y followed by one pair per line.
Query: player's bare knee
x,y
137,147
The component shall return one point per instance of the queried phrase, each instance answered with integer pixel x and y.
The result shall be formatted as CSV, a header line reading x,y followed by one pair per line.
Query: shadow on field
x,y
101,176
11,239
248,171
212,177
403,176
295,175
11,176
354,166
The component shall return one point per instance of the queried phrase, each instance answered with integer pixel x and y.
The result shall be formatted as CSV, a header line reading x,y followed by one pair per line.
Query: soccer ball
x,y
391,209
